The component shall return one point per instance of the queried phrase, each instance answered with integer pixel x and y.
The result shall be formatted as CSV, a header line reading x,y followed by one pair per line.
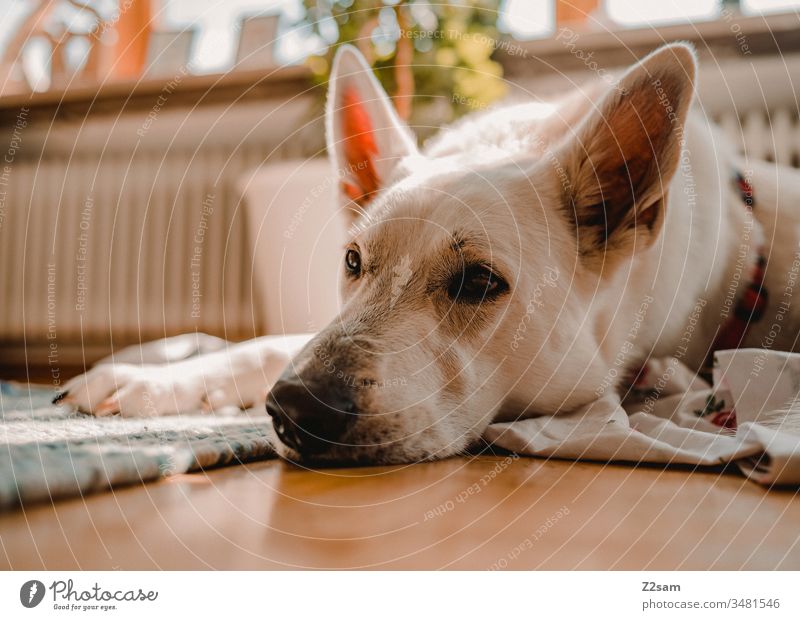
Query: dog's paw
x,y
132,390
160,389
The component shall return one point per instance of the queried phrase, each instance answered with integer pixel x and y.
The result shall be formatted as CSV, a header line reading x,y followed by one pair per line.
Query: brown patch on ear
x,y
625,159
622,164
359,150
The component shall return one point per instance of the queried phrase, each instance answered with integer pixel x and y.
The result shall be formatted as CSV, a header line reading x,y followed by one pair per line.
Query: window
x,y
216,24
527,20
657,12
769,6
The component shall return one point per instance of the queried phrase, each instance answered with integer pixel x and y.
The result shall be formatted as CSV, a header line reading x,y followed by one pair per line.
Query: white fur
x,y
497,174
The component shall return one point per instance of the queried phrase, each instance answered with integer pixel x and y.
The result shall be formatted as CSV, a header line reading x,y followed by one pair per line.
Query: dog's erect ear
x,y
365,137
624,154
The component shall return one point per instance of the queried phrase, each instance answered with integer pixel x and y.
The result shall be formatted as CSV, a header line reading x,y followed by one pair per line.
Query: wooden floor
x,y
474,513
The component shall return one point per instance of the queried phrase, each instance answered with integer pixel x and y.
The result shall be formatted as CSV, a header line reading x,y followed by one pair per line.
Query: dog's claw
x,y
60,396
108,407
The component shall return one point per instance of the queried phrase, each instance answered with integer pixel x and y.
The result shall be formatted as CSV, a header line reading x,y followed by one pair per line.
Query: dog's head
x,y
469,271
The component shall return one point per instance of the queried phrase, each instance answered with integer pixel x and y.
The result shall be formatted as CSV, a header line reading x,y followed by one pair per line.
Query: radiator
x,y
753,98
122,249
773,135
755,101
112,241
109,238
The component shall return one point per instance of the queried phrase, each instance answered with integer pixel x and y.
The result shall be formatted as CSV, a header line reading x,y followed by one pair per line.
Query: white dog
x,y
503,270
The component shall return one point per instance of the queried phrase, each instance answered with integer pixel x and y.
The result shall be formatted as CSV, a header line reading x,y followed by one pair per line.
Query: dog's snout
x,y
310,417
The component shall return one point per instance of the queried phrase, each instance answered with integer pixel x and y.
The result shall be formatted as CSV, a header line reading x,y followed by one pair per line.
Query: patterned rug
x,y
49,452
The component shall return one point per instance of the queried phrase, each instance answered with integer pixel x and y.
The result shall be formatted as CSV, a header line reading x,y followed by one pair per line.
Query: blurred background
x,y
163,160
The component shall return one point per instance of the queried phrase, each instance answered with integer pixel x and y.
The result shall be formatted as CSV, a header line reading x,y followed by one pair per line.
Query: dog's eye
x,y
352,262
475,283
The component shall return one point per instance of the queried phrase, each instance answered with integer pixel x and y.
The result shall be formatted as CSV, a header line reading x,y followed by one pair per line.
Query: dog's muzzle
x,y
310,416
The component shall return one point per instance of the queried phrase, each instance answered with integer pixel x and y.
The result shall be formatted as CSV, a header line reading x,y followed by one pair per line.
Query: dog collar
x,y
752,303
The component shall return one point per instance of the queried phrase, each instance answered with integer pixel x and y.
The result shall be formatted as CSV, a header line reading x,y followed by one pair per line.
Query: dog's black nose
x,y
310,416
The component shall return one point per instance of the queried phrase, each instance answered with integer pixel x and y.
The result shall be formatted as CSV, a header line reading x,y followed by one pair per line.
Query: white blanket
x,y
751,416
671,416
